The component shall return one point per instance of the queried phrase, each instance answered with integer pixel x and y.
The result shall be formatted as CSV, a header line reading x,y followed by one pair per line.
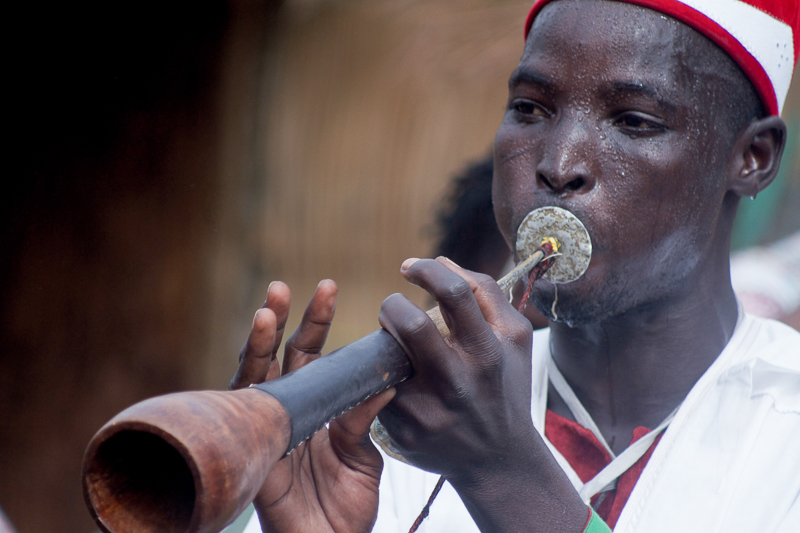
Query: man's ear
x,y
757,156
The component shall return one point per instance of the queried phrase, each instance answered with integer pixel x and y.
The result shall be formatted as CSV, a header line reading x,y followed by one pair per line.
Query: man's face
x,y
610,116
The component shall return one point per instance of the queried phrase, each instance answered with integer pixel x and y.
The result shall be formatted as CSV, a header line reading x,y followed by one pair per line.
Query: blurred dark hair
x,y
466,227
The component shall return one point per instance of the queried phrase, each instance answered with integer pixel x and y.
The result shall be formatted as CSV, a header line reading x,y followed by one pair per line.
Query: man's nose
x,y
566,164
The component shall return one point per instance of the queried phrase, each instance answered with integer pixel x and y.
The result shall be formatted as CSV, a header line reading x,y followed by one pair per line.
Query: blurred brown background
x,y
171,160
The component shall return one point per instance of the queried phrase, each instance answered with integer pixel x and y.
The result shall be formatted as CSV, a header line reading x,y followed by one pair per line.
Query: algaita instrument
x,y
193,461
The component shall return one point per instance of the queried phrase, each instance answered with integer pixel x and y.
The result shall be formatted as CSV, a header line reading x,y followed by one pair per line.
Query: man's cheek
x,y
504,214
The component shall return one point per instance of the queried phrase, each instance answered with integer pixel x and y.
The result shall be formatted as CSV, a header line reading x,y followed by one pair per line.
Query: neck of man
x,y
635,368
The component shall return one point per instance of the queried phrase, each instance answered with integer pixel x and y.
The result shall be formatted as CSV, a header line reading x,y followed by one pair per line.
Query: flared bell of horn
x,y
184,462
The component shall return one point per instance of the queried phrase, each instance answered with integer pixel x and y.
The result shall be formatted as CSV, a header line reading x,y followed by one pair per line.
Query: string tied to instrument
x,y
549,247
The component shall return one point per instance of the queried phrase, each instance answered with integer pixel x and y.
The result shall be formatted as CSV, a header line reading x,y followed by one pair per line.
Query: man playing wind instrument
x,y
650,120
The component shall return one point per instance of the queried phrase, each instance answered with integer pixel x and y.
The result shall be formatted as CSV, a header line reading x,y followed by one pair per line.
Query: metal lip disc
x,y
576,245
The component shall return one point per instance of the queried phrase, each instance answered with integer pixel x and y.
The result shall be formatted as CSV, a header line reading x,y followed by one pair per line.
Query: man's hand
x,y
330,483
466,411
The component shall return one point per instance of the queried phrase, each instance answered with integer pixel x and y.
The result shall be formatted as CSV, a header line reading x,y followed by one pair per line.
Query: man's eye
x,y
635,122
527,107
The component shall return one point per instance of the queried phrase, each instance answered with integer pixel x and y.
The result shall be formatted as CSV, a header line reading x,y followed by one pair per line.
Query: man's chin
x,y
573,314
576,304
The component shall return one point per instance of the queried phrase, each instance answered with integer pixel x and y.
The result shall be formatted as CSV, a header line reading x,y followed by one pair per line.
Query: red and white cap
x,y
760,35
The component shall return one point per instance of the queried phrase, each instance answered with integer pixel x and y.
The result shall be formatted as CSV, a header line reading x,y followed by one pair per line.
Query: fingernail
x,y
451,262
332,296
269,288
408,262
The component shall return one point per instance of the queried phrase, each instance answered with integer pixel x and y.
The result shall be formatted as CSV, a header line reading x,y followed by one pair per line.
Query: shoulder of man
x,y
772,359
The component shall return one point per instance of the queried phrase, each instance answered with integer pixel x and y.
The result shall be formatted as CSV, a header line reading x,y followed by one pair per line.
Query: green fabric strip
x,y
596,524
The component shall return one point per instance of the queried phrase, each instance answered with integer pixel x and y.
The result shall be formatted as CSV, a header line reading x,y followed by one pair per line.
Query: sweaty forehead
x,y
591,39
615,23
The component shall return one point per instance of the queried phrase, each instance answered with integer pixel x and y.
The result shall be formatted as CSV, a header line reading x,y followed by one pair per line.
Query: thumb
x,y
349,434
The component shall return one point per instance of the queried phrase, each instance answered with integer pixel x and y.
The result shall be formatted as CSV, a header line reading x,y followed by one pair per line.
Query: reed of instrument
x,y
193,461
